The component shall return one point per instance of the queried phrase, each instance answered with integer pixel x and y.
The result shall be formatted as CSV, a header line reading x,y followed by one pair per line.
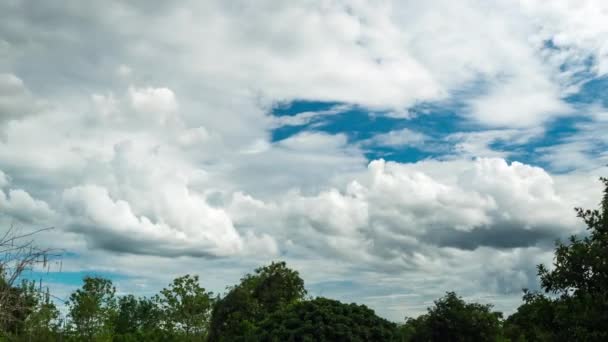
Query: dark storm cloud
x,y
500,235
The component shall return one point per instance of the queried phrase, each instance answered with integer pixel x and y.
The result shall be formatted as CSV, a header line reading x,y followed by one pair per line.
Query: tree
x,y
269,289
534,320
581,267
452,319
42,321
93,309
18,254
138,319
577,308
324,319
186,308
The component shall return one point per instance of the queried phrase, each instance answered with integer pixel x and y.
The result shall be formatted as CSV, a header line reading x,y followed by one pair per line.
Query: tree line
x,y
272,304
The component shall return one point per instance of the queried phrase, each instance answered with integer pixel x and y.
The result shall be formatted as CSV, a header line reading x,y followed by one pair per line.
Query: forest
x,y
272,304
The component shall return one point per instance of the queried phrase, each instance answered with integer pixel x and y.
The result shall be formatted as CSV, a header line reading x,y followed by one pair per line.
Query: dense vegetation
x,y
271,304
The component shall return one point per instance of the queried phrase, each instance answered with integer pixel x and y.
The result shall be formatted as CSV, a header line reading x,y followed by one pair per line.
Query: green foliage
x,y
269,289
17,306
452,319
93,310
42,322
138,319
186,308
533,321
324,319
35,317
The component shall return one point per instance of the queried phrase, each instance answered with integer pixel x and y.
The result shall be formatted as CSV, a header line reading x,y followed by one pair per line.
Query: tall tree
x,y
452,319
93,309
186,308
42,322
269,289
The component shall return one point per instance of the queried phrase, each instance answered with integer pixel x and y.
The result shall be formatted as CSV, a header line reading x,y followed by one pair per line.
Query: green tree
x,y
186,308
577,308
452,319
269,289
93,309
42,322
534,320
15,307
138,319
325,319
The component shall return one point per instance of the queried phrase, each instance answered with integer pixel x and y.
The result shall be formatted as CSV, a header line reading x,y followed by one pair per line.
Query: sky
x,y
389,151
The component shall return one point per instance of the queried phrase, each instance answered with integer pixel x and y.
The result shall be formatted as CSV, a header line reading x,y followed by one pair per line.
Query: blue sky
x,y
388,151
439,121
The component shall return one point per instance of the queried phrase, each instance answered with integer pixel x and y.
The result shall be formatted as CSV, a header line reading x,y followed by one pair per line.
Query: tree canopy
x,y
323,319
267,290
452,319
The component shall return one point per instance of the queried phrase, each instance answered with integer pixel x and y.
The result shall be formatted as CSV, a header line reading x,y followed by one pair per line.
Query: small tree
x,y
19,254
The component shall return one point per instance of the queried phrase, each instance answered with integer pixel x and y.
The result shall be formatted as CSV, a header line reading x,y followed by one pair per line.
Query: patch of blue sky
x,y
301,106
556,132
594,91
404,154
579,68
435,120
438,120
70,278
561,129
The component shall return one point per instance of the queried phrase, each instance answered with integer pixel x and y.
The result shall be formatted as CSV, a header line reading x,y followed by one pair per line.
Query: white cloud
x,y
578,27
478,143
111,224
393,210
158,101
20,205
304,118
524,101
398,138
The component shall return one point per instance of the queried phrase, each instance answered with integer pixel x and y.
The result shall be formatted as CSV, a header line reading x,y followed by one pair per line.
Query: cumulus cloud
x,y
111,224
393,211
18,204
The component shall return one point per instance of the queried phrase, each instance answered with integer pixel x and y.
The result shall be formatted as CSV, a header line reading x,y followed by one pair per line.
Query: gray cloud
x,y
504,236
